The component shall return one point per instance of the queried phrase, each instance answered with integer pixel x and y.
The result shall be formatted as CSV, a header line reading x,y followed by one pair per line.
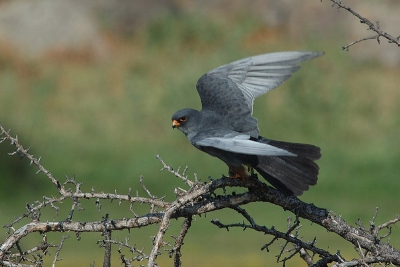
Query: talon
x,y
250,169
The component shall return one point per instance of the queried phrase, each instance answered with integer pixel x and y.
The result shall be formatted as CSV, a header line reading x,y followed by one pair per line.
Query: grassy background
x,y
105,121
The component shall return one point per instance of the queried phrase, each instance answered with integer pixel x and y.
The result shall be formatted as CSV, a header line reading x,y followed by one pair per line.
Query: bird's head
x,y
186,120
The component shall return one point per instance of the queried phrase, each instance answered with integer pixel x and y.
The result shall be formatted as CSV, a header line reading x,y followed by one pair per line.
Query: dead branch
x,y
176,250
371,26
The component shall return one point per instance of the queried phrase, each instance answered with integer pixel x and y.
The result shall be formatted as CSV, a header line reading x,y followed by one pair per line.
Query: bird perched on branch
x,y
226,129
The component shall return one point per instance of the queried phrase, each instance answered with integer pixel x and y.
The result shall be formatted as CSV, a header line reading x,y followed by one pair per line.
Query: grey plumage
x,y
225,127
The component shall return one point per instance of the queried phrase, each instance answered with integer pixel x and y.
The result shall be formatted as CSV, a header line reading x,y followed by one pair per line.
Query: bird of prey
x,y
226,129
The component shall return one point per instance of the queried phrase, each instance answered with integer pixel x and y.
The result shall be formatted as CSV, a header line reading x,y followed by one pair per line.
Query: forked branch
x,y
375,27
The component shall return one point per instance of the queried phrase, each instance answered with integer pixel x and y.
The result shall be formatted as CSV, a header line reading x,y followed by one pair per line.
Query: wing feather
x,y
242,145
256,75
230,90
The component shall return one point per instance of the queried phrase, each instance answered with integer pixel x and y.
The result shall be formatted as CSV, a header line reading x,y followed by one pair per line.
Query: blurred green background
x,y
105,119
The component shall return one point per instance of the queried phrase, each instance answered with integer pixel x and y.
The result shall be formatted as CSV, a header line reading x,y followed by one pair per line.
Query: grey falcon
x,y
226,129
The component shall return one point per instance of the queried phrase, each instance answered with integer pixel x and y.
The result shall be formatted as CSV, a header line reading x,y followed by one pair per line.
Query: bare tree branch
x,y
140,255
107,249
176,250
371,26
58,250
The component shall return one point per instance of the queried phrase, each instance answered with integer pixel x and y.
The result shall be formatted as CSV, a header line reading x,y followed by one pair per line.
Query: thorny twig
x,y
176,250
36,161
140,255
300,250
276,235
107,249
59,250
371,26
182,176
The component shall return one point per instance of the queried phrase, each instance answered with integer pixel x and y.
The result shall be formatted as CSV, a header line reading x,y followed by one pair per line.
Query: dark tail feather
x,y
304,150
290,174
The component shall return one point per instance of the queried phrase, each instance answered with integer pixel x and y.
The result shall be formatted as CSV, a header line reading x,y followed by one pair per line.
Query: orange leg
x,y
238,172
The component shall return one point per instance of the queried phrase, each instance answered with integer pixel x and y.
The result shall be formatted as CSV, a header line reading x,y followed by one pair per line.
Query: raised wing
x,y
230,90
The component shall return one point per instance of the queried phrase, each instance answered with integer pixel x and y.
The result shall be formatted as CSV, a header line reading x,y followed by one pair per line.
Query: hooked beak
x,y
175,124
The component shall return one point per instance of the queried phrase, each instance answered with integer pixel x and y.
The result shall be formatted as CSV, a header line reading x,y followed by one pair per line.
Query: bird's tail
x,y
290,174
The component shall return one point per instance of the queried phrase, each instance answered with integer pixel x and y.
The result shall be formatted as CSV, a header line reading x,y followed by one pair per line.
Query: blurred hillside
x,y
41,28
91,86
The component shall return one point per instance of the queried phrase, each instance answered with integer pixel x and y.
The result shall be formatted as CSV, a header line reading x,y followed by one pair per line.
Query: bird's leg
x,y
238,172
232,174
250,169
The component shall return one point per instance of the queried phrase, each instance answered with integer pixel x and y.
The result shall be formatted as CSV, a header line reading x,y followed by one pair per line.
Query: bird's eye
x,y
182,119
